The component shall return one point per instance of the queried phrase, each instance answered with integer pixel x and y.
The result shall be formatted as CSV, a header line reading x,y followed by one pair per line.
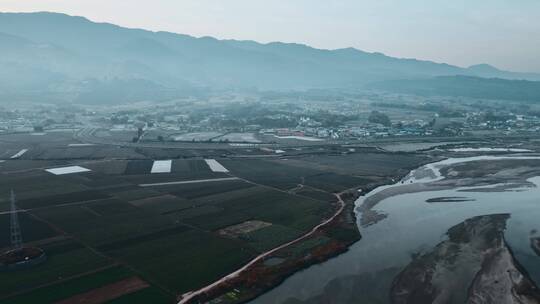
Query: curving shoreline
x,y
437,176
256,278
474,265
240,277
359,275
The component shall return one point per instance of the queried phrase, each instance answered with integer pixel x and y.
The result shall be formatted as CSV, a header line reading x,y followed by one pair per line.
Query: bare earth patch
x,y
107,292
243,228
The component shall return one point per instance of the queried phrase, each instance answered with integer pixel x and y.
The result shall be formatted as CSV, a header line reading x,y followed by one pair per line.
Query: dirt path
x,y
190,295
196,181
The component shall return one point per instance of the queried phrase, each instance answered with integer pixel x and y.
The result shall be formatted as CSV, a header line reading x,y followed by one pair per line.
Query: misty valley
x,y
144,166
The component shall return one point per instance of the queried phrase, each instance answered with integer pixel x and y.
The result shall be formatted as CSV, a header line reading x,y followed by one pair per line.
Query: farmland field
x,y
60,199
193,191
167,234
360,164
147,295
270,237
34,229
204,256
162,203
63,290
62,262
281,175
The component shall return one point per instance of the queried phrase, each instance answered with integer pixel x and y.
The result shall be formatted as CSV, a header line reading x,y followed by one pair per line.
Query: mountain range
x,y
54,56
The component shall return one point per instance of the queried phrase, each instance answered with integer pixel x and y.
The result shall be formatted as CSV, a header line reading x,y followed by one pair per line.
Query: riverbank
x,y
419,221
475,264
328,239
486,173
334,236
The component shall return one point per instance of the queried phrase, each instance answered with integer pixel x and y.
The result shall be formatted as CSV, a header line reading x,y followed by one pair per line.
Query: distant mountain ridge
x,y
489,71
51,54
465,86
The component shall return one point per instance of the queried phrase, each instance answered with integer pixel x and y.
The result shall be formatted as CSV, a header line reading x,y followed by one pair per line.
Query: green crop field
x,y
62,262
132,193
138,167
281,175
228,195
267,173
316,194
184,214
280,208
192,191
115,167
60,199
145,296
31,228
270,237
218,220
98,229
162,204
360,164
111,207
186,260
118,245
167,235
66,289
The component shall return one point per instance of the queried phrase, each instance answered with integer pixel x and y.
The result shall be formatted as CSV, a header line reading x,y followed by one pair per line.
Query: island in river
x,y
474,265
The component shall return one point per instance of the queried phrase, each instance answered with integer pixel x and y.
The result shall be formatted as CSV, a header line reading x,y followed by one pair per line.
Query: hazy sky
x,y
505,33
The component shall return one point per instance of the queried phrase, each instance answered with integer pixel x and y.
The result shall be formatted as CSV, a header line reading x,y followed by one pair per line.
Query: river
x,y
414,223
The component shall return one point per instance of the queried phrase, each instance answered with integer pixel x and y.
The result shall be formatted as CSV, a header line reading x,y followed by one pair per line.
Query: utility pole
x,y
16,237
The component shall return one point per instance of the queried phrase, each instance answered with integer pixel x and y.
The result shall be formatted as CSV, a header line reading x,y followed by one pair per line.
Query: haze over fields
x,y
57,57
374,151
